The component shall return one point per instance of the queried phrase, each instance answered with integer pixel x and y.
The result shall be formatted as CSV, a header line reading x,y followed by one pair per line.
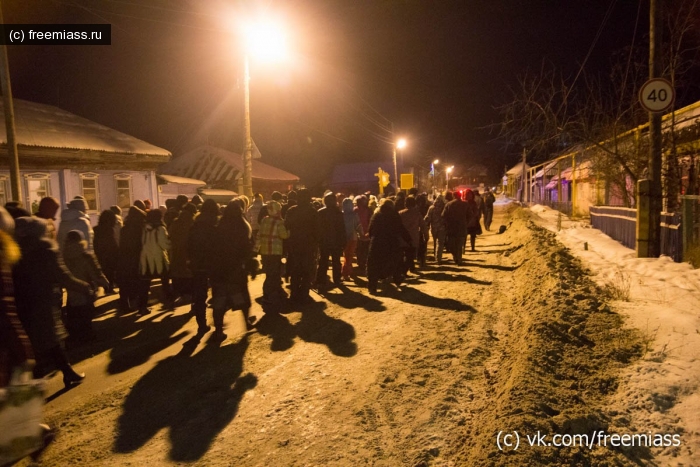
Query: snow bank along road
x,y
517,341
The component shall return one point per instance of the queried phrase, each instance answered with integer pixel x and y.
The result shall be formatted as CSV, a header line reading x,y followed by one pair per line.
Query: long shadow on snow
x,y
152,337
348,298
410,295
315,326
196,397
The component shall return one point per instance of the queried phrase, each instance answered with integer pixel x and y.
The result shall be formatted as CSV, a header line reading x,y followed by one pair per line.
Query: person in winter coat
x,y
230,267
75,218
412,220
15,348
180,273
435,222
353,232
253,212
270,237
48,207
201,254
422,204
129,258
302,223
455,217
473,218
332,241
120,222
489,199
364,213
77,315
106,247
385,232
154,260
38,278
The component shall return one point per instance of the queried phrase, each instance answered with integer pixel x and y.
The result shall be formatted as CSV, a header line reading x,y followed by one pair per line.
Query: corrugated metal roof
x,y
213,164
46,126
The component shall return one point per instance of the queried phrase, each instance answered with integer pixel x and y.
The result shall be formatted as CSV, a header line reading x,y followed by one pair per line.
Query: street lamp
x,y
447,176
266,42
400,144
433,172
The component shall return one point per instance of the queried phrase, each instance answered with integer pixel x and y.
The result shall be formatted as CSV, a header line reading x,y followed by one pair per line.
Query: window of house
x,y
123,184
90,190
37,188
4,196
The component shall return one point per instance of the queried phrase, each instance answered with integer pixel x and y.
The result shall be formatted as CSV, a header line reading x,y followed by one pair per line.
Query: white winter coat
x,y
154,253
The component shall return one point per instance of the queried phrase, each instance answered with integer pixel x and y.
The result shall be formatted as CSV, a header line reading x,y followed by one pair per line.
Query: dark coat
x,y
106,247
201,250
83,266
473,218
455,216
233,253
38,278
332,226
130,244
385,232
179,232
302,222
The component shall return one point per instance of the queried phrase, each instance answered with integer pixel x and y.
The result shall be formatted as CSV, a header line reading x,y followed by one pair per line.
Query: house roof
x,y
517,169
180,180
213,164
42,125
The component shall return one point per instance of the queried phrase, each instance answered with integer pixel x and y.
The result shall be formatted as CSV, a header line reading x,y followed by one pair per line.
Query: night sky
x,y
435,69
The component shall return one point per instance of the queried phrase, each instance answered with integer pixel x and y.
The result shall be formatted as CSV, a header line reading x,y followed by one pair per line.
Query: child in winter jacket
x,y
77,315
270,235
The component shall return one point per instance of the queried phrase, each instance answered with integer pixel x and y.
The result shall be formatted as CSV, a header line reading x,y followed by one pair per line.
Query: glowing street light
x,y
264,41
400,144
447,176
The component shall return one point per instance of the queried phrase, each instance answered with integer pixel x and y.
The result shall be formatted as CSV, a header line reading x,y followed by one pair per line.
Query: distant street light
x,y
400,144
266,42
447,176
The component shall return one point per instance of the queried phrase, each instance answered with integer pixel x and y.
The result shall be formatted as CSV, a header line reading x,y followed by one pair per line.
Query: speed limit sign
x,y
657,95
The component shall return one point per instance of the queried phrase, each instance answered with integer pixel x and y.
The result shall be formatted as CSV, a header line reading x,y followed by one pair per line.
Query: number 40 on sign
x,y
657,95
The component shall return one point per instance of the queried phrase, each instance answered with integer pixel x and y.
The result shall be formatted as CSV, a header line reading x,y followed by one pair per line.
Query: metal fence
x,y
617,222
671,238
621,224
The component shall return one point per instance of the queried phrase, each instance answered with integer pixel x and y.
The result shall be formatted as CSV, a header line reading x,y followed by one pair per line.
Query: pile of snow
x,y
659,393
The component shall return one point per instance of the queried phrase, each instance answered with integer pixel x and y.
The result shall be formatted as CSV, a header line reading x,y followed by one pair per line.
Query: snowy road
x,y
516,339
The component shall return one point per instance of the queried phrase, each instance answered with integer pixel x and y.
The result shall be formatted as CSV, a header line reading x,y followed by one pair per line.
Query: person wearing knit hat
x,y
75,218
270,237
140,204
48,207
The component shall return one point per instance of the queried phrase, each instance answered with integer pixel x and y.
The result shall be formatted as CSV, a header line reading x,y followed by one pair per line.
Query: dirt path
x,y
515,339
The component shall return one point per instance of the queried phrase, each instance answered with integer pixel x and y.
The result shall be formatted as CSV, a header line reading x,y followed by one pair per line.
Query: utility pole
x,y
248,149
393,147
655,201
9,108
522,194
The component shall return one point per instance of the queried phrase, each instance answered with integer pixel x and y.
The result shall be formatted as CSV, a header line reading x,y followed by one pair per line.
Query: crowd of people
x,y
193,246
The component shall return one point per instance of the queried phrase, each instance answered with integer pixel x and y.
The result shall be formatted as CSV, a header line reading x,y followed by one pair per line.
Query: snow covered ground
x,y
659,393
